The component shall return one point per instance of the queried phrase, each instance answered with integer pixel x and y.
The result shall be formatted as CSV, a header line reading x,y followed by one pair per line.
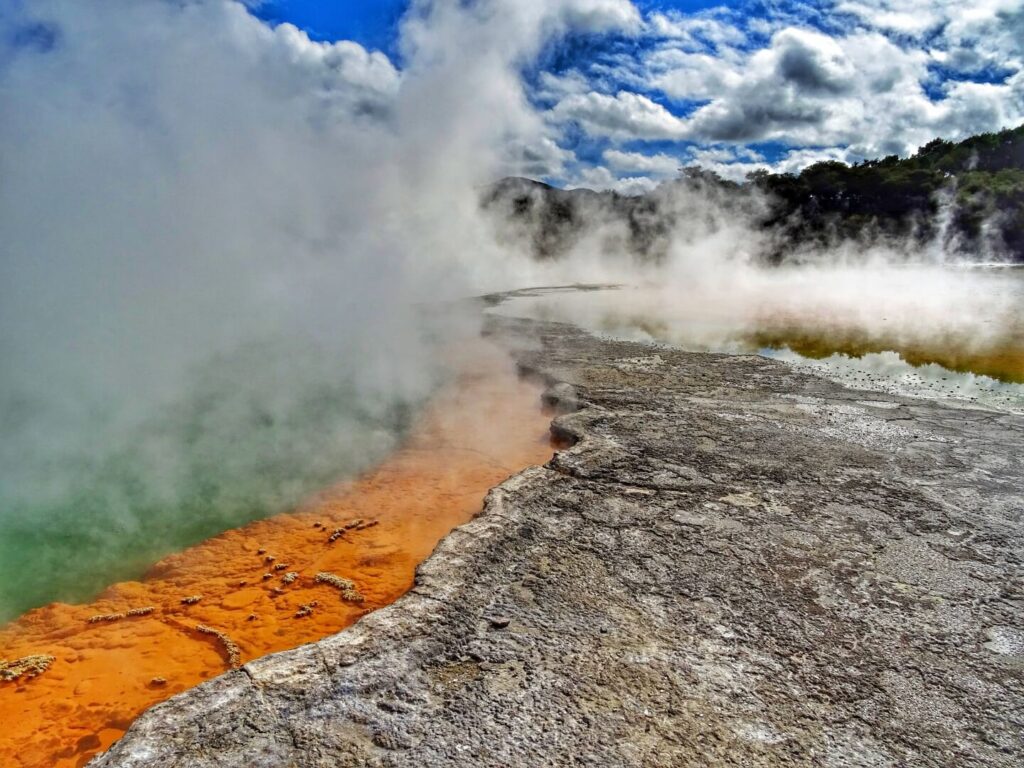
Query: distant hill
x,y
970,193
968,196
553,219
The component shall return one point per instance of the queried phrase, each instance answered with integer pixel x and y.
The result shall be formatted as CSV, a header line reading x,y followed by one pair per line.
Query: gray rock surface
x,y
734,564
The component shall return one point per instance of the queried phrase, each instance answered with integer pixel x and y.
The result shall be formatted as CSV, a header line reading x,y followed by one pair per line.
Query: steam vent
x,y
511,383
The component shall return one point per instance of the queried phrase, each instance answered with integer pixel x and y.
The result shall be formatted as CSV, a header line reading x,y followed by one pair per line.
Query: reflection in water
x,y
999,357
888,372
954,333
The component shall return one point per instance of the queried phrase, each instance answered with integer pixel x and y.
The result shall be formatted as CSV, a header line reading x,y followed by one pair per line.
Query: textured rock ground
x,y
735,564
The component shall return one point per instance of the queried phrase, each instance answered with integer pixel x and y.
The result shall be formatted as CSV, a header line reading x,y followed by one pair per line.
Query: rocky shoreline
x,y
731,563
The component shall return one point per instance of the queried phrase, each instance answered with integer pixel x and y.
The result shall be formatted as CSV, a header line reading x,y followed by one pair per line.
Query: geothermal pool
x,y
951,333
273,584
270,585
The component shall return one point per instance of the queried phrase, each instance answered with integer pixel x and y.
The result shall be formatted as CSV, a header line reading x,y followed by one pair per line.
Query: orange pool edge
x,y
271,585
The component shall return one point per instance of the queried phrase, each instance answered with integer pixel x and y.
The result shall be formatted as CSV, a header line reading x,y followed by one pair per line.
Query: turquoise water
x,y
250,435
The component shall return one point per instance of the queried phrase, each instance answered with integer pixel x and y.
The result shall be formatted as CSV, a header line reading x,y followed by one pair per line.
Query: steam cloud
x,y
708,287
218,238
220,242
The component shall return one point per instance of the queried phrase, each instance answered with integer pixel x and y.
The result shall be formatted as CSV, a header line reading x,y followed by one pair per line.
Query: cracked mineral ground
x,y
732,562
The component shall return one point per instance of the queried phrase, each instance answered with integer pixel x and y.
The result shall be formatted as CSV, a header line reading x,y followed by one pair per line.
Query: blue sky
x,y
374,22
736,86
622,93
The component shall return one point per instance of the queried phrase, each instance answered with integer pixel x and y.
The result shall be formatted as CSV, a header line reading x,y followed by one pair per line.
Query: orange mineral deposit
x,y
272,585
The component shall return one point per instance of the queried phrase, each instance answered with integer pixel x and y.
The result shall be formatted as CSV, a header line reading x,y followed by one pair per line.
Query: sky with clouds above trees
x,y
739,86
630,91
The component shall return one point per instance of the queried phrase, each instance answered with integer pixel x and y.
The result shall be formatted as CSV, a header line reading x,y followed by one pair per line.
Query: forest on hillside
x,y
966,197
970,193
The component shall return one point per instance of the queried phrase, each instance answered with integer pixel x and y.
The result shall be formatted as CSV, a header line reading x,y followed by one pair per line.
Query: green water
x,y
239,444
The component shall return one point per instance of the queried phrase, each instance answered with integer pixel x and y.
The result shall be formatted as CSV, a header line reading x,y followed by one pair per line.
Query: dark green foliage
x,y
552,219
981,179
967,196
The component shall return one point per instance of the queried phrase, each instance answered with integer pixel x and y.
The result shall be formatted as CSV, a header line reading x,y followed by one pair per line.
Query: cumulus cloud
x,y
691,76
538,158
919,18
601,15
810,88
795,160
658,164
553,88
624,116
850,78
600,178
734,163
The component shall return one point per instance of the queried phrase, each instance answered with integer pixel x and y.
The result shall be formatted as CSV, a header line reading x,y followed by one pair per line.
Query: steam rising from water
x,y
914,328
726,309
218,240
711,290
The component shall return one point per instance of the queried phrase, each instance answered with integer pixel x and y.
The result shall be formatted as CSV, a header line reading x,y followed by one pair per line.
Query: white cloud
x,y
658,164
632,186
602,15
552,88
910,17
539,158
343,64
797,159
727,162
599,178
968,36
695,32
691,76
809,88
870,86
624,116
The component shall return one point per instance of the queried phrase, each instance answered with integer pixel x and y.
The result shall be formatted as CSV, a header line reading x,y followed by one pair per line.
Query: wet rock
x,y
735,563
561,398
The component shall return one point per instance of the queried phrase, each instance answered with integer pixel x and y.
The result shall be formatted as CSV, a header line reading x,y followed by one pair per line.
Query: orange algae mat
x,y
254,590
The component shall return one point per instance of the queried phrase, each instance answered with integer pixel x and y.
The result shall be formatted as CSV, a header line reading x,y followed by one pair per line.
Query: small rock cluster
x,y
133,613
27,666
345,586
233,652
355,525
